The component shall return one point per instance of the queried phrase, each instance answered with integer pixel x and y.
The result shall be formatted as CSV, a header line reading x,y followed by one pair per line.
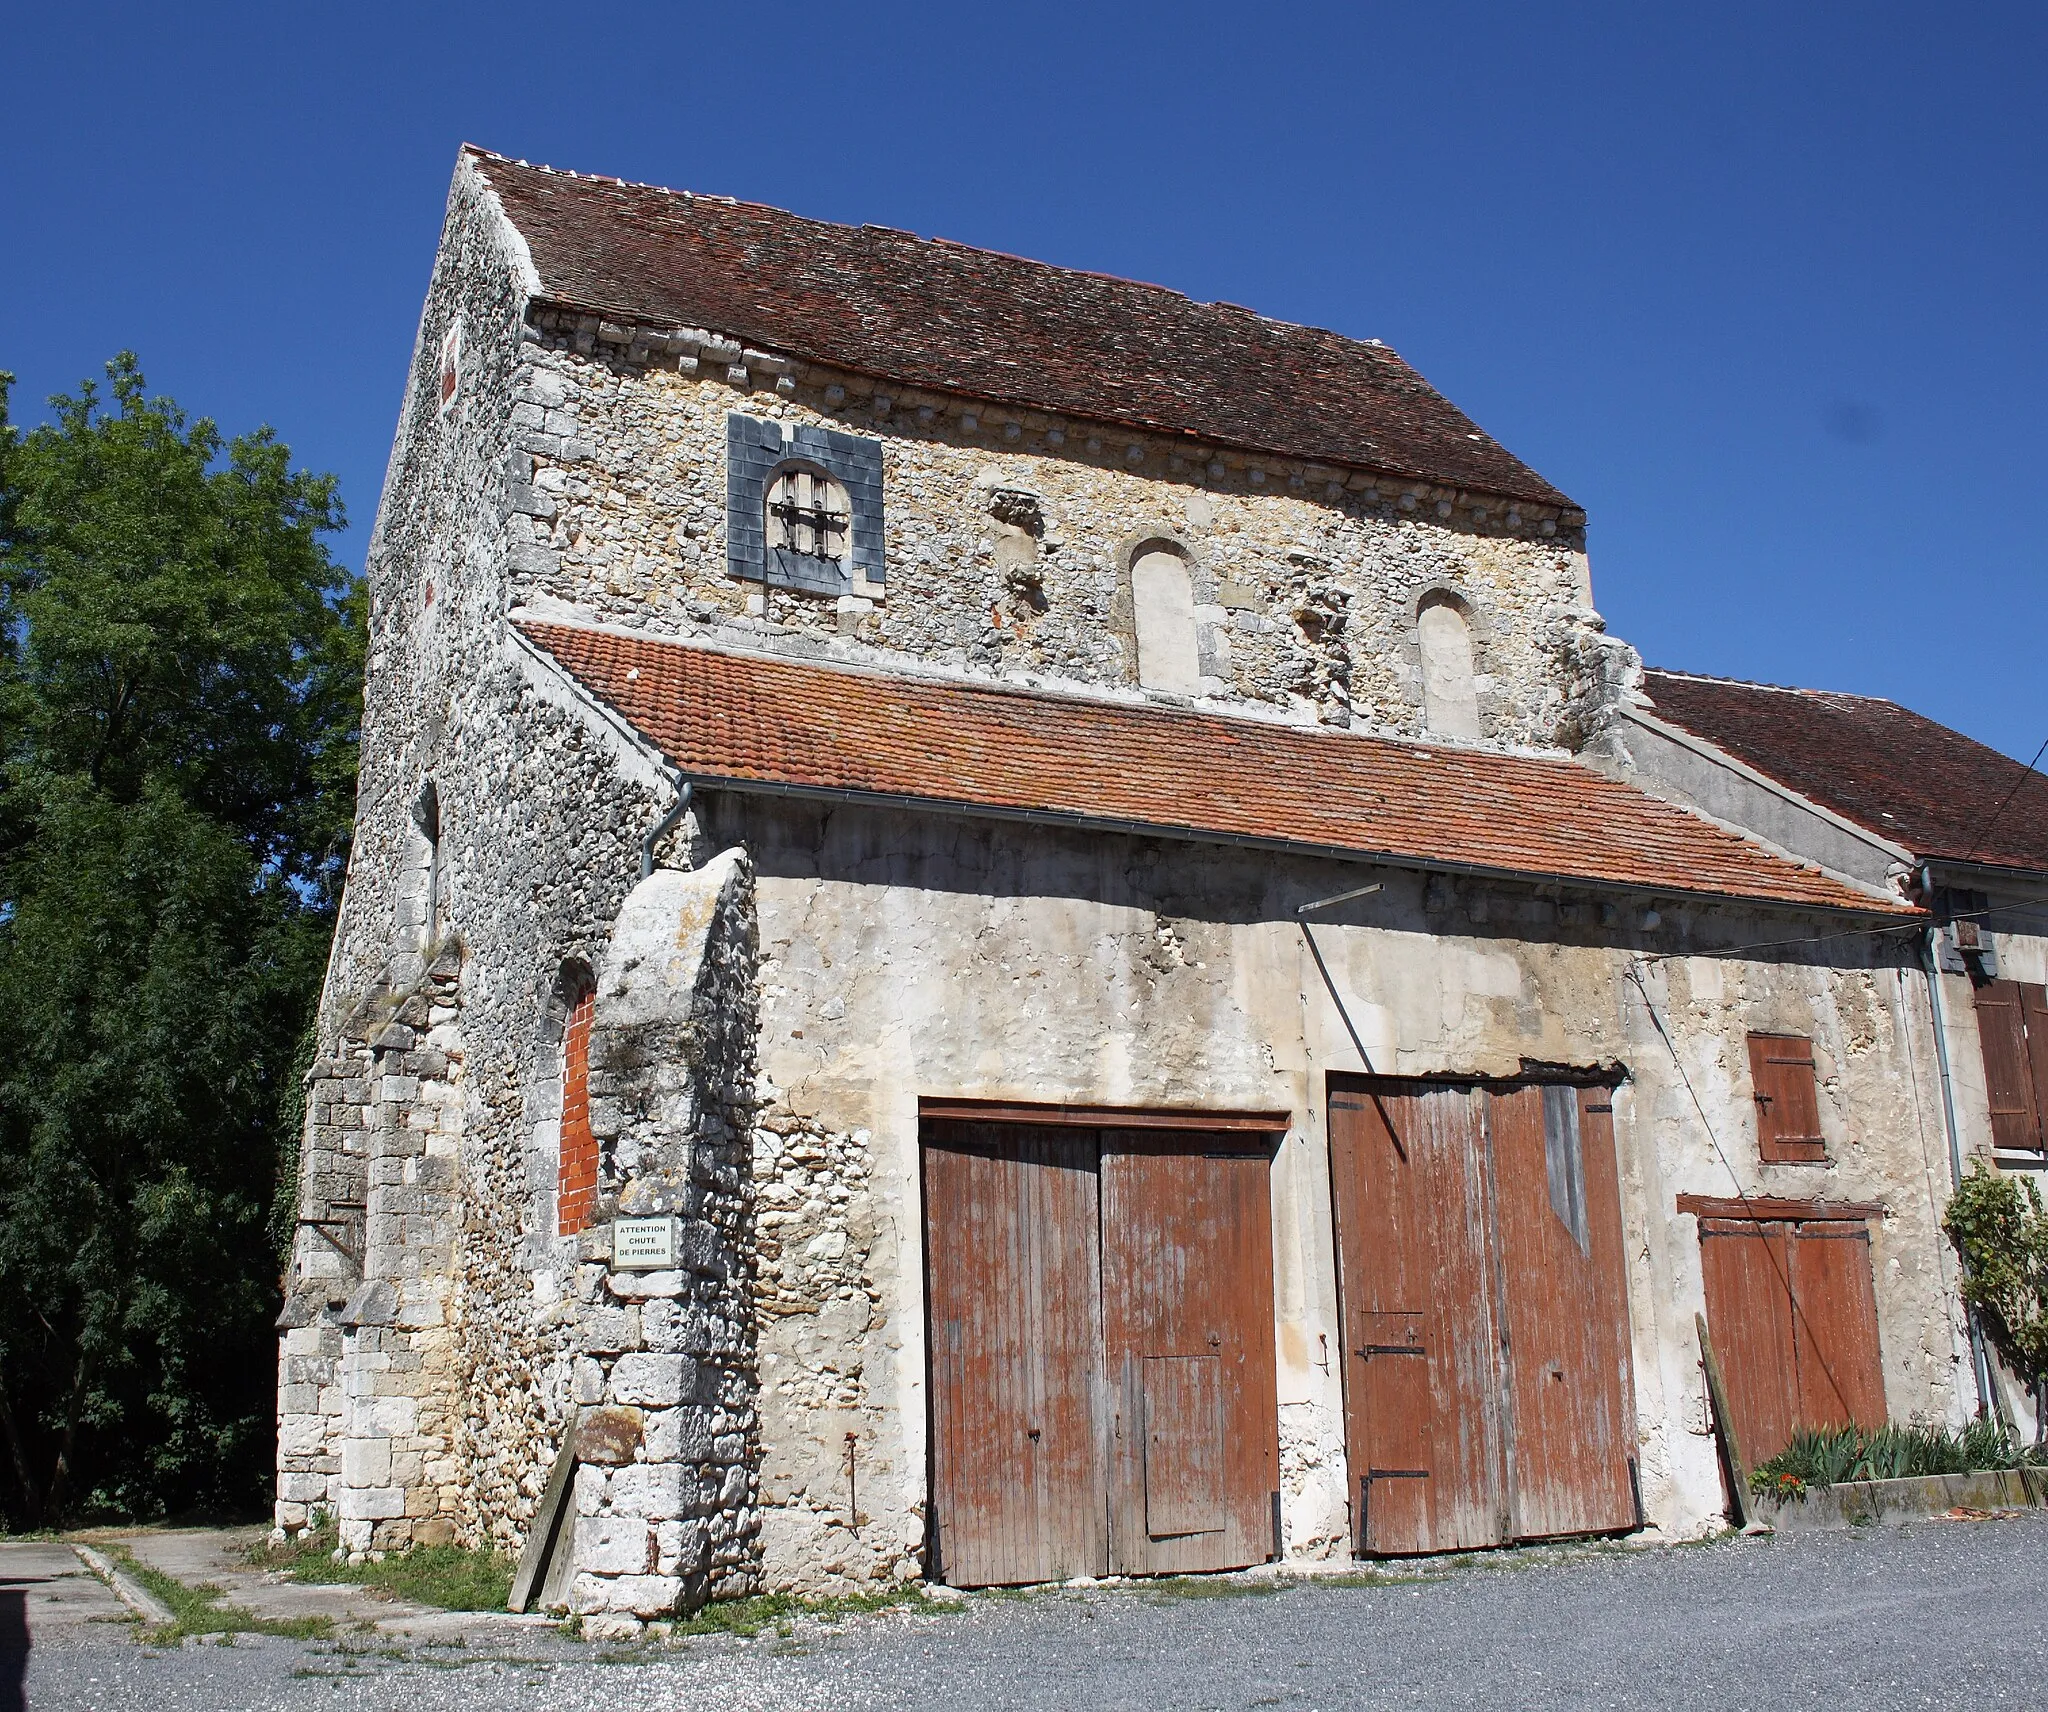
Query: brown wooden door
x,y
1187,1320
1014,1313
1793,1314
1749,1313
1565,1288
1834,1325
1422,1349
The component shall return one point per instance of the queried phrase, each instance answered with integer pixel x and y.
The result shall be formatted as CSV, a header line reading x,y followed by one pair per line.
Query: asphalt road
x,y
1948,1614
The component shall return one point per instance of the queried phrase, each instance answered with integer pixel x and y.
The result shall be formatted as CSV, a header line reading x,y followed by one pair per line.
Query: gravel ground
x,y
1941,1614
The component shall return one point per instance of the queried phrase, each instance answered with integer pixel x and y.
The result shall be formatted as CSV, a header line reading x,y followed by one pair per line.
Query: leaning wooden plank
x,y
547,1520
1724,1425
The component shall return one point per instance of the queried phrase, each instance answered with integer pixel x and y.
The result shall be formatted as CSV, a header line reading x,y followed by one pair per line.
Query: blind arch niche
x,y
1163,615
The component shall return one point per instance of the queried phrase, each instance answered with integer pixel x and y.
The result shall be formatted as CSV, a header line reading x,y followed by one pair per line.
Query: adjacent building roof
x,y
1933,790
752,722
936,314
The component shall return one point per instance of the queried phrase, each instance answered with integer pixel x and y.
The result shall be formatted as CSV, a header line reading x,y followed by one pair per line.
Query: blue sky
x,y
1760,286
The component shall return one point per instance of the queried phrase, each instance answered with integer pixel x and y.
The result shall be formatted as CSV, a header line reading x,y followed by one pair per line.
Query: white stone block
x,y
366,1462
303,1488
372,1503
638,1286
396,1416
651,1489
614,1545
652,1379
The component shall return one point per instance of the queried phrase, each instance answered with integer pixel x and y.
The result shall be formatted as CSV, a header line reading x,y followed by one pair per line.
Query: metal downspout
x,y
1986,1401
668,823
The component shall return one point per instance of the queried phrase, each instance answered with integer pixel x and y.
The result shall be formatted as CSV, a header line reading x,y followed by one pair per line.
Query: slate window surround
x,y
756,452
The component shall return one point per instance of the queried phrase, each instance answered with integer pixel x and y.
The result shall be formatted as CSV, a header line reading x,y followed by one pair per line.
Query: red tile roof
x,y
931,313
1883,766
746,720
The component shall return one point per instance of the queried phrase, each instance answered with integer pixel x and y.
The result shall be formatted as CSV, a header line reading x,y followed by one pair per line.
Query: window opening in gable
x,y
1450,694
450,365
1163,615
809,517
1786,1089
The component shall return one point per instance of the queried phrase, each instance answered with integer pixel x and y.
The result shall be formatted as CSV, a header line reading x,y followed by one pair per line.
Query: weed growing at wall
x,y
2000,1231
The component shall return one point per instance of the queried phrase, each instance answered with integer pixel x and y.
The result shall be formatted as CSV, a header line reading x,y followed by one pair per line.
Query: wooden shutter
x,y
2034,1013
1787,1095
2011,1082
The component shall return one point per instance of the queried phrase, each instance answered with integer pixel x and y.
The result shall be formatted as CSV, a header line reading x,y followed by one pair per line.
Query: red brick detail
x,y
1935,791
937,314
576,1191
744,718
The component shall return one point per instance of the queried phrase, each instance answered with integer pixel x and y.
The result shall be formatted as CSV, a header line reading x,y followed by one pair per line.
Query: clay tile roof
x,y
1883,766
942,315
765,723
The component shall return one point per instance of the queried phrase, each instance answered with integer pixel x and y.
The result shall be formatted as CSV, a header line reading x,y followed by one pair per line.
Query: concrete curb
x,y
127,1589
1860,1503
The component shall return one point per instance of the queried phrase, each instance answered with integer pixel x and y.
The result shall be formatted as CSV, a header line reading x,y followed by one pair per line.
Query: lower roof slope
x,y
753,722
1935,791
931,313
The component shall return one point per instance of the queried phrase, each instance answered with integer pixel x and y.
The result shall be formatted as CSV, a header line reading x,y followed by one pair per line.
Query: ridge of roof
x,y
763,722
977,322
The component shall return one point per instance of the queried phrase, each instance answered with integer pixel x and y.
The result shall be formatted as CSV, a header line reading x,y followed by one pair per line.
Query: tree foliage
x,y
180,687
2000,1232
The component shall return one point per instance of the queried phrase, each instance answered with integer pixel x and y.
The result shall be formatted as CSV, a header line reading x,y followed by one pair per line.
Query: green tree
x,y
180,694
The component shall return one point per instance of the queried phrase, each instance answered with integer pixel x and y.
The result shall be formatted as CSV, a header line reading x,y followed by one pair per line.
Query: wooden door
x,y
1013,1303
1423,1373
1187,1322
1793,1315
1834,1325
1565,1289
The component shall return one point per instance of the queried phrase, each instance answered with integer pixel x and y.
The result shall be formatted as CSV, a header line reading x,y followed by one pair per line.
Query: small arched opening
x,y
1450,693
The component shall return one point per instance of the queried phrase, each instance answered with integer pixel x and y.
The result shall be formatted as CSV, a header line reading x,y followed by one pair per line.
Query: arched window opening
x,y
576,1176
1450,697
1163,613
421,904
808,519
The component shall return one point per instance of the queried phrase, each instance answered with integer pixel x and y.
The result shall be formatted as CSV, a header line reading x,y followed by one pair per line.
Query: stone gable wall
x,y
1009,540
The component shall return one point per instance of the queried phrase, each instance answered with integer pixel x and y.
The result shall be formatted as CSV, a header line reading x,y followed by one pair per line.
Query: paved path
x,y
1945,1614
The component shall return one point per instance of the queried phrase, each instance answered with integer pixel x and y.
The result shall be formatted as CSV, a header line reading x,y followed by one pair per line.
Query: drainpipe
x,y
668,823
1931,962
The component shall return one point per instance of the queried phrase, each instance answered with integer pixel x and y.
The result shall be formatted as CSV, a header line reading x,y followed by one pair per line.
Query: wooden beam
x,y
1776,1207
547,1520
1724,1426
1104,1117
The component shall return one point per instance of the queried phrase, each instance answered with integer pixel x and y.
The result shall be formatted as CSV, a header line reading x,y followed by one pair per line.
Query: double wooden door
x,y
1488,1393
1793,1312
1100,1317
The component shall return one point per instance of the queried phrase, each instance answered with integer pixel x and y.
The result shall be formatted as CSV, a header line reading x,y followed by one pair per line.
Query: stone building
x,y
1874,790
1002,927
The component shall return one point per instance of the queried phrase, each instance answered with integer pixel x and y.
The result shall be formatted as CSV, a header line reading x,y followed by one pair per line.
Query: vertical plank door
x,y
1840,1376
1423,1378
1746,1268
1566,1296
1187,1321
1013,1292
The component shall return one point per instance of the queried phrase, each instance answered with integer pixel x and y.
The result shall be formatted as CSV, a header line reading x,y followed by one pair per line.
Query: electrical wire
x,y
2026,774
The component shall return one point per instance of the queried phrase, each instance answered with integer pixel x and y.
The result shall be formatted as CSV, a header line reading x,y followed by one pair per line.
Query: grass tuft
x,y
203,1610
779,1611
450,1578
